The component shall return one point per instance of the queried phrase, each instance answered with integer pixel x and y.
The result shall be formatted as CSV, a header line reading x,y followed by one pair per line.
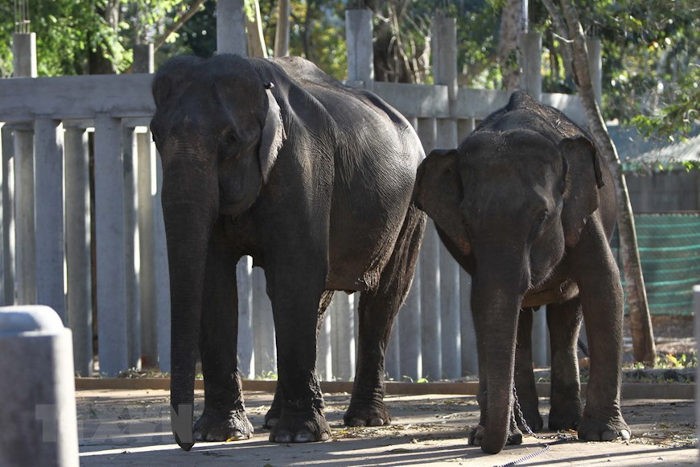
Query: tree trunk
x,y
256,40
511,27
640,321
282,32
98,57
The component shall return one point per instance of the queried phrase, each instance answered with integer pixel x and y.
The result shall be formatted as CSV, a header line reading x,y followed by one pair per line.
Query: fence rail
x,y
89,241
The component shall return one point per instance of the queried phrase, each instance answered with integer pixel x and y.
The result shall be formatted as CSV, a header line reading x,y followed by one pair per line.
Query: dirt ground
x,y
132,428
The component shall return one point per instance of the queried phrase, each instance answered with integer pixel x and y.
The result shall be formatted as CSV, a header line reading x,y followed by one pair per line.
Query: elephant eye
x,y
539,222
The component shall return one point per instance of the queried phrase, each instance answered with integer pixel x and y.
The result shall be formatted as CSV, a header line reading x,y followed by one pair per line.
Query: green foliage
x,y
651,61
68,32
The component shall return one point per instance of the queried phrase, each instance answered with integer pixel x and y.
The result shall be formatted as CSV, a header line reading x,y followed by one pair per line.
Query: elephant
x,y
314,180
525,206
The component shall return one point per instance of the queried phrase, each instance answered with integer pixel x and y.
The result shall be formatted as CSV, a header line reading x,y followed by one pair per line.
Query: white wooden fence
x,y
97,249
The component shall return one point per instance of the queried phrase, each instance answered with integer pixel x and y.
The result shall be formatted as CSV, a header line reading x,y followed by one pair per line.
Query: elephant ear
x,y
438,192
273,134
582,180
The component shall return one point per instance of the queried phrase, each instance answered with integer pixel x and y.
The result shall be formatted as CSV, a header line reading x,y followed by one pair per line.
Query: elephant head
x,y
507,204
218,129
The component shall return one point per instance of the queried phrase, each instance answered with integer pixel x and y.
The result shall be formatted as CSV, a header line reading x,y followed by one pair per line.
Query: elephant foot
x,y
476,436
272,417
222,426
610,429
372,414
299,426
564,419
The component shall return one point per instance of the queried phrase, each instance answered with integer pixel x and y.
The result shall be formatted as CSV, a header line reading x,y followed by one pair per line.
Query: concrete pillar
x,y
540,338
358,39
110,240
409,331
78,255
342,316
430,277
7,266
24,63
531,79
25,246
48,212
160,266
230,28
244,285
263,326
143,58
148,331
324,358
131,240
696,314
444,48
24,54
37,389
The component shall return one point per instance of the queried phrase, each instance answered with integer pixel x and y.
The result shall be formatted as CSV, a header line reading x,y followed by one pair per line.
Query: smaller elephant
x,y
525,207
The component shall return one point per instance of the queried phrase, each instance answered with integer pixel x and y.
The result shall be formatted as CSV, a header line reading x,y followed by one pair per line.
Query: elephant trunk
x,y
496,304
189,211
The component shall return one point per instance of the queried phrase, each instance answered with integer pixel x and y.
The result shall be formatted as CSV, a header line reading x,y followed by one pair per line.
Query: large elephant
x,y
313,179
525,207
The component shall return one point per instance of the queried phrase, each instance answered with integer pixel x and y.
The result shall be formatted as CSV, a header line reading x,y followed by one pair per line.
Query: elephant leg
x,y
377,310
273,414
476,434
598,279
224,415
564,321
295,301
525,388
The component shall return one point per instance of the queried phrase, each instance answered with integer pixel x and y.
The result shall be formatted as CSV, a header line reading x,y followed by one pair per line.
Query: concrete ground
x,y
132,427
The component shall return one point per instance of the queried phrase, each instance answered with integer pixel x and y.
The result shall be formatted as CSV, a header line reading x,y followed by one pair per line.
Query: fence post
x,y
143,58
110,242
358,38
444,42
696,314
160,266
78,257
24,62
263,327
48,211
25,246
324,358
342,316
24,54
8,256
244,286
531,82
230,28
429,258
133,298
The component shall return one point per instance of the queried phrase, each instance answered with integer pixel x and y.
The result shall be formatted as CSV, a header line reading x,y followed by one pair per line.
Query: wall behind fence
x,y
113,251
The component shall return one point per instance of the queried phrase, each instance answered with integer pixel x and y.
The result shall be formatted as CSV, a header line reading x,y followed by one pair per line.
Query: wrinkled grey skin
x,y
274,159
525,207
